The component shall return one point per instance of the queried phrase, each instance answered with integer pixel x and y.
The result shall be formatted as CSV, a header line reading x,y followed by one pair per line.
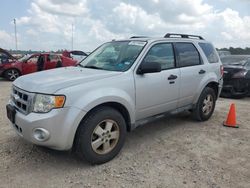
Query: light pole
x,y
15,32
72,37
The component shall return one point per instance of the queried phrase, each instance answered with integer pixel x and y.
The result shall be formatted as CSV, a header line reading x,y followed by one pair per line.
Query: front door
x,y
158,92
30,65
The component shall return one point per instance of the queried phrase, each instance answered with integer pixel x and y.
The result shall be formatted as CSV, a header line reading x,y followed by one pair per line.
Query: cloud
x,y
5,39
48,23
67,8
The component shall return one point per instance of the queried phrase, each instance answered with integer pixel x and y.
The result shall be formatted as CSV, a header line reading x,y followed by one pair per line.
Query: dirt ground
x,y
172,152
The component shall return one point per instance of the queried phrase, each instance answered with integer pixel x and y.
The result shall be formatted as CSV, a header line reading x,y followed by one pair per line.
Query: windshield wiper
x,y
80,65
92,67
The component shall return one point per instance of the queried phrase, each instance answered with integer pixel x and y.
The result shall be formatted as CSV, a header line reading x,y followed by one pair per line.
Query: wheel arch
x,y
210,83
115,105
12,68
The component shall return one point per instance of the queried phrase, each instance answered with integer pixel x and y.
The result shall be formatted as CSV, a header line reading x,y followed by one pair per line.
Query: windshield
x,y
24,58
236,60
114,56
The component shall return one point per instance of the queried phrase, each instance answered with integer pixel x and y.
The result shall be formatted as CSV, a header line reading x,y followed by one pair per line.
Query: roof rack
x,y
176,35
134,37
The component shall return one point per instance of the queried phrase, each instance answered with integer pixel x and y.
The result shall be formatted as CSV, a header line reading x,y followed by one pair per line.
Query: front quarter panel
x,y
119,89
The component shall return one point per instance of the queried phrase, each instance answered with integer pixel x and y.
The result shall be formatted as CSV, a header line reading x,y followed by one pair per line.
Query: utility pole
x,y
15,32
72,37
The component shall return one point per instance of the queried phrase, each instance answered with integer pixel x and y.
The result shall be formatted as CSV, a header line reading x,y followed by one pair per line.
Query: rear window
x,y
187,54
210,52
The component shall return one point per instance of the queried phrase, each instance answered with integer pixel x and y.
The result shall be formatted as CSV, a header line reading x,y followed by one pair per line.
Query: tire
x,y
11,74
208,99
93,138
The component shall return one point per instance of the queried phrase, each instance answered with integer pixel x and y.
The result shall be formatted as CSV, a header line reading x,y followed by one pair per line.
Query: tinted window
x,y
163,54
187,54
210,52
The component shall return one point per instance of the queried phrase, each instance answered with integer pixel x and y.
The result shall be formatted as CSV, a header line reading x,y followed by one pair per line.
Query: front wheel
x,y
11,74
205,105
101,135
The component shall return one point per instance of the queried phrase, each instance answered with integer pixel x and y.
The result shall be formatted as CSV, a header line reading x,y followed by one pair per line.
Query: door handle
x,y
202,71
172,77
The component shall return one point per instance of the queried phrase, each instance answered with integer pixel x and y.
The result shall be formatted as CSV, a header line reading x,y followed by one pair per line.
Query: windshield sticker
x,y
137,43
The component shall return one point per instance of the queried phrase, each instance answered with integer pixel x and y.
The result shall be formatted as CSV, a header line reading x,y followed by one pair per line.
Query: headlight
x,y
45,103
240,74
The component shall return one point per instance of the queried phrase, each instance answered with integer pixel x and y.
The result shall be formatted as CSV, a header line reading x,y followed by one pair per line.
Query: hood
x,y
7,53
53,80
233,66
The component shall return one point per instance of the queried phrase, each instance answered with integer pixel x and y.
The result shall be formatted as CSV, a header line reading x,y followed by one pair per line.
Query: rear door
x,y
192,71
158,92
51,61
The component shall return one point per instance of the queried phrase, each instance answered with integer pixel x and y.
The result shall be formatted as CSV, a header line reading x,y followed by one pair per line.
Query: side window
x,y
187,54
53,57
161,53
33,59
210,52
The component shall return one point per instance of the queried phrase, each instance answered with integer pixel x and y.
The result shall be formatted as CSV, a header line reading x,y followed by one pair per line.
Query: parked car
x,y
75,54
236,76
11,68
119,86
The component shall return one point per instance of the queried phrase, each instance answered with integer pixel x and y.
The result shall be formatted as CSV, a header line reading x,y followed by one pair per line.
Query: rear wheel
x,y
101,135
11,74
205,105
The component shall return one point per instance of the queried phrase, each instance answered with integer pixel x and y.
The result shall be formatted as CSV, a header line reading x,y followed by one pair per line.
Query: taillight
x,y
221,70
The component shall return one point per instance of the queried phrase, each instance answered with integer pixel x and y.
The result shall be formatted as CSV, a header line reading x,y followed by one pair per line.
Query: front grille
x,y
21,99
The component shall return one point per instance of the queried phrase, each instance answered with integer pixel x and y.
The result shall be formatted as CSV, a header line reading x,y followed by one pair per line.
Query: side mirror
x,y
149,67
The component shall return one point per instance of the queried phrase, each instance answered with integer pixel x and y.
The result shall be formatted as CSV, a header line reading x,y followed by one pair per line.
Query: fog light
x,y
41,134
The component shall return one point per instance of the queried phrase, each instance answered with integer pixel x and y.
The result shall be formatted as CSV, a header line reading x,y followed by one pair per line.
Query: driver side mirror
x,y
149,67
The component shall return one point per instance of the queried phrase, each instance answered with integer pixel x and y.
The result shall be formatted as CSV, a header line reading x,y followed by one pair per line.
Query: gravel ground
x,y
172,152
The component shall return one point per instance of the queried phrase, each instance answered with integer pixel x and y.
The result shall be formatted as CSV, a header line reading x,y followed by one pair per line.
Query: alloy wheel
x,y
105,136
12,75
208,103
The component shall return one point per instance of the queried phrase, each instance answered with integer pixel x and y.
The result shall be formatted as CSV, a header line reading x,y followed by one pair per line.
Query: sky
x,y
49,24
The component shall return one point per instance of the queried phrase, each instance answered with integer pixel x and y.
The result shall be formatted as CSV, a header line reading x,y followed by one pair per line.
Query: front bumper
x,y
61,125
236,87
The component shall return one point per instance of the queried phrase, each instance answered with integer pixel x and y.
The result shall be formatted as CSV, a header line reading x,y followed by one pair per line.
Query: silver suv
x,y
119,86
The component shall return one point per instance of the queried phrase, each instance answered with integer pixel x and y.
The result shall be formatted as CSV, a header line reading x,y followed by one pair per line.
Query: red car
x,y
11,68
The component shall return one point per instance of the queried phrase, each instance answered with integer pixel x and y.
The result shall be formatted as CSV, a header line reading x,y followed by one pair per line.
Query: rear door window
x,y
187,54
210,52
